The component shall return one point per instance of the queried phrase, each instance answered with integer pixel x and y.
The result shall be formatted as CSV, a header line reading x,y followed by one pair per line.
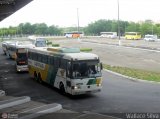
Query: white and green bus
x,y
67,69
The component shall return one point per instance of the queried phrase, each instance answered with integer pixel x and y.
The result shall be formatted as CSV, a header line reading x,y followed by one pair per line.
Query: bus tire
x,y
35,76
39,78
61,88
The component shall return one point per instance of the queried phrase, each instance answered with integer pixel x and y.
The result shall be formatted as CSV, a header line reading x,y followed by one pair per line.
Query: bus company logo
x,y
4,115
39,65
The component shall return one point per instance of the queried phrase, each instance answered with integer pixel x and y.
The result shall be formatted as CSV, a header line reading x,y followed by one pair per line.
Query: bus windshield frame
x,y
84,69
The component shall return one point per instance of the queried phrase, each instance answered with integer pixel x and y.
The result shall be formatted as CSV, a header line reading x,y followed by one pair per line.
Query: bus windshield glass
x,y
21,56
21,59
81,69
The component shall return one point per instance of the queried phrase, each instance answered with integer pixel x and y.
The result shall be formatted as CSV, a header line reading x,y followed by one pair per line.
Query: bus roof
x,y
77,55
35,37
81,56
20,44
132,32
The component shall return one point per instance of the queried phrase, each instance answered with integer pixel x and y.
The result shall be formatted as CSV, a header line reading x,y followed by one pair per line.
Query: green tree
x,y
41,29
146,28
53,30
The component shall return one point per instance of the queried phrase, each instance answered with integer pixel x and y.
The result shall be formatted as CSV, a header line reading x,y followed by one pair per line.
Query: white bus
x,y
67,69
74,34
111,35
38,41
21,57
4,46
11,50
12,47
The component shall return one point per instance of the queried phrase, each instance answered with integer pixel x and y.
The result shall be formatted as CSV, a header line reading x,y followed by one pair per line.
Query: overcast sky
x,y
63,13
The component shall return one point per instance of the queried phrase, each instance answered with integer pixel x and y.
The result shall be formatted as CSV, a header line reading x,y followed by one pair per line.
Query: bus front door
x,y
68,77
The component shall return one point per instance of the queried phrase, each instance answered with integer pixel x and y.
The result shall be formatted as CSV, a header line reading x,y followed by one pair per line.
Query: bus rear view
x,y
21,60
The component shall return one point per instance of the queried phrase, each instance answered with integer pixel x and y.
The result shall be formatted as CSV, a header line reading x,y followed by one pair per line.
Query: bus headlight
x,y
76,87
99,84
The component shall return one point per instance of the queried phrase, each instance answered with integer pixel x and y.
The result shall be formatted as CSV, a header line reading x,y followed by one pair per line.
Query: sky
x,y
63,13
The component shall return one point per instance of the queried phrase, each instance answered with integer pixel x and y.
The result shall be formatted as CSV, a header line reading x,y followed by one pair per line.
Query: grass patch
x,y
49,43
86,49
55,45
135,73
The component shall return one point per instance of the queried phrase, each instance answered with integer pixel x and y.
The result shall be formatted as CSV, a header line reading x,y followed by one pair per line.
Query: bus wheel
x,y
35,76
39,78
61,87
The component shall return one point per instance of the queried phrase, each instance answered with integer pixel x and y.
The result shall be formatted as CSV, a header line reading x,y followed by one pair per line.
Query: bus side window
x,y
29,55
34,56
57,62
63,64
51,60
39,57
44,59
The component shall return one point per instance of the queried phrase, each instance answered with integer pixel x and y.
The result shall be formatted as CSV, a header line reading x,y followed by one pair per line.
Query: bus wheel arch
x,y
35,76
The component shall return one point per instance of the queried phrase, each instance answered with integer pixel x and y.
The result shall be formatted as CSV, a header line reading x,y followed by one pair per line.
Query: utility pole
x,y
78,23
77,20
118,24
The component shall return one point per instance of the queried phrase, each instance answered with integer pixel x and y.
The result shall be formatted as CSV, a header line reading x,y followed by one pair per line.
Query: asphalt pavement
x,y
119,95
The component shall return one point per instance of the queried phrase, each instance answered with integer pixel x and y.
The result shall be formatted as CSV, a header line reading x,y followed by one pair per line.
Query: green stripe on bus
x,y
52,72
91,82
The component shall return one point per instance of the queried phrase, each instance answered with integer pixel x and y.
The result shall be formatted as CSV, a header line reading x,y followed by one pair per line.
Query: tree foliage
x,y
94,28
29,29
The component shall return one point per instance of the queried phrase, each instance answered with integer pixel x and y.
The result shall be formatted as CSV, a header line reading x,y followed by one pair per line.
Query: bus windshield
x,y
21,55
85,69
40,43
21,59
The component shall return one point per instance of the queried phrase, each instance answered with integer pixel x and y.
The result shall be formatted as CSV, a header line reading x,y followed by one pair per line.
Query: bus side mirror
x,y
101,66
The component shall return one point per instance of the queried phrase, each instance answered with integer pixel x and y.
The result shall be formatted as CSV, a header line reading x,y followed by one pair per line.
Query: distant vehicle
x,y
73,34
4,46
111,35
11,48
38,41
150,37
132,35
67,69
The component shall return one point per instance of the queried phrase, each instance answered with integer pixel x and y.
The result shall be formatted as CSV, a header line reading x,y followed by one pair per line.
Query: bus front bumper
x,y
79,92
22,68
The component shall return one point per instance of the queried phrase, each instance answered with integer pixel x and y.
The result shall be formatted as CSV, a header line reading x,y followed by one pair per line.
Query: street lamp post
x,y
152,28
78,23
118,24
77,20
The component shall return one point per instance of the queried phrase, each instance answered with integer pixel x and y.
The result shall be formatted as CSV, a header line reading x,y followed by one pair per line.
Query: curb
x,y
39,111
14,102
131,78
